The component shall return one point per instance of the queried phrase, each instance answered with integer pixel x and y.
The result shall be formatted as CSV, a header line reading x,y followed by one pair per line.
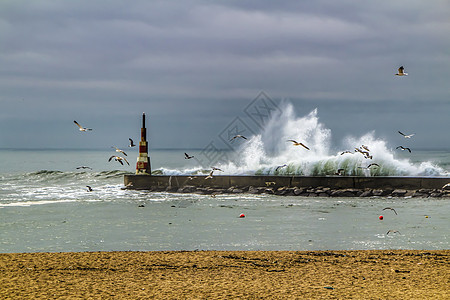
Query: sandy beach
x,y
378,274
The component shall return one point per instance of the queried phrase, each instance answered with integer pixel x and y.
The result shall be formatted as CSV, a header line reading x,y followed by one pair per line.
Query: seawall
x,y
282,185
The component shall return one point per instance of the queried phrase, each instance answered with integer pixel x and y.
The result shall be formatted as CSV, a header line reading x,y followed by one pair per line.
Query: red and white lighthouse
x,y
143,161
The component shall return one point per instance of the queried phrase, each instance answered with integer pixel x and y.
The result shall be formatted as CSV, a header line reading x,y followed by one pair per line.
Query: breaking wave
x,y
271,153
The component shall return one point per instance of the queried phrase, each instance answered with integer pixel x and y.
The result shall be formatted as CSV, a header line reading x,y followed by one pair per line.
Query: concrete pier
x,y
272,184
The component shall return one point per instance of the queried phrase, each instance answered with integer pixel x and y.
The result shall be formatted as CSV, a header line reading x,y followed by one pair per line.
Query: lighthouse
x,y
143,161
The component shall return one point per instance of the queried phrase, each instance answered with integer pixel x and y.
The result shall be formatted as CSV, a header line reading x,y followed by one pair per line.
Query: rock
x,y
398,193
253,190
366,193
281,191
435,195
417,194
342,193
298,191
237,191
269,191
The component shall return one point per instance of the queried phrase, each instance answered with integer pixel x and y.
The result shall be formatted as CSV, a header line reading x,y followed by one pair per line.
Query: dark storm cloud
x,y
187,62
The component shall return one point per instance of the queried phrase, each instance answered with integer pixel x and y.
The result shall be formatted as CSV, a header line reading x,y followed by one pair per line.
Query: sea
x,y
45,204
45,207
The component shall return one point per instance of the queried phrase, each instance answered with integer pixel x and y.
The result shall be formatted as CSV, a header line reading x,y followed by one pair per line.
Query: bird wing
x,y
243,137
304,146
125,160
111,157
121,151
81,127
295,142
401,133
408,150
400,70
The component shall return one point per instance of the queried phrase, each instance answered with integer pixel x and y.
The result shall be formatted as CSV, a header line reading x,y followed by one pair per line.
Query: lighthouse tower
x,y
143,161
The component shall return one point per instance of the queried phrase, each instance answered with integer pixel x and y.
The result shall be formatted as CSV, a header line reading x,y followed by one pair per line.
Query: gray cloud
x,y
195,65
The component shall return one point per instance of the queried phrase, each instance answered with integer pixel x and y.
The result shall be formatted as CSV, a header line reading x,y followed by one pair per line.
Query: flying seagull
x,y
238,136
280,167
407,136
365,153
187,156
346,151
295,143
403,148
81,127
365,147
131,143
119,159
393,231
84,167
216,169
339,172
401,72
390,209
89,189
118,150
371,165
210,175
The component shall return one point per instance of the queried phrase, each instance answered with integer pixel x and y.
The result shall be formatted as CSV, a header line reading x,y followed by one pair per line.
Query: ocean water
x,y
45,205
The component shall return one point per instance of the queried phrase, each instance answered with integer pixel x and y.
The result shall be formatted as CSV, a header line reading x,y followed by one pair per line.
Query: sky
x,y
197,68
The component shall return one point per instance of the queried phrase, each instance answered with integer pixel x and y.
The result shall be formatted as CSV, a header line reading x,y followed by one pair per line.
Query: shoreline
x,y
380,274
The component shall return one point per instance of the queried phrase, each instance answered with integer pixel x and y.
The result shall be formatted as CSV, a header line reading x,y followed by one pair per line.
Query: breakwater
x,y
323,186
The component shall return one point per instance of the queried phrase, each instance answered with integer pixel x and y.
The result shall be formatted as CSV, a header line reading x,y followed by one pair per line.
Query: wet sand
x,y
378,274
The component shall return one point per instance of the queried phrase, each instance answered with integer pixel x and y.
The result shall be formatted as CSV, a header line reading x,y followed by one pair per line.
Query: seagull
x,y
84,167
118,150
131,143
400,72
365,147
269,183
279,167
238,136
390,209
81,127
216,169
192,178
295,143
403,148
187,156
210,175
365,153
119,159
346,151
407,136
368,167
89,189
393,231
339,172
446,186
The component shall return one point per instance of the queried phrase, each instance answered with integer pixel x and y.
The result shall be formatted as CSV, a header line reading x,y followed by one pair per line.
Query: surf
x,y
265,152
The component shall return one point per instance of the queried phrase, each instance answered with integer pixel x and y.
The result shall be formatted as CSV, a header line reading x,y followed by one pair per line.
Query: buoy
x,y
241,216
380,217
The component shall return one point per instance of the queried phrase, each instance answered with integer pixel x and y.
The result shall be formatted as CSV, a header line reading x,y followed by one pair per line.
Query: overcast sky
x,y
194,66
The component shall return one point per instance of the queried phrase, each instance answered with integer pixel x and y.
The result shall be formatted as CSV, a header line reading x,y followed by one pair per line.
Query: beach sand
x,y
380,274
